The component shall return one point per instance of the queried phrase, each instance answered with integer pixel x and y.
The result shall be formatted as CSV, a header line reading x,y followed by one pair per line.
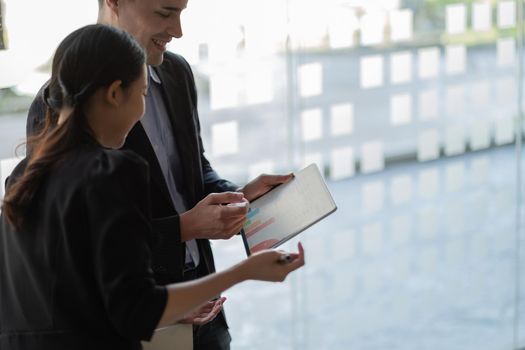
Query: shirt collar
x,y
153,75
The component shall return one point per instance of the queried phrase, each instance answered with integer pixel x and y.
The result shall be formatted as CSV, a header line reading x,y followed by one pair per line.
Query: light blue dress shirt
x,y
158,127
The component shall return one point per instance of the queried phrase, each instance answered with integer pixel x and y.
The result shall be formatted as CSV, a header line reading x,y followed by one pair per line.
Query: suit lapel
x,y
138,141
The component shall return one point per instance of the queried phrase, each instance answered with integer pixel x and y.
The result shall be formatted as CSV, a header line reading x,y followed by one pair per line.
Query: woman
x,y
75,227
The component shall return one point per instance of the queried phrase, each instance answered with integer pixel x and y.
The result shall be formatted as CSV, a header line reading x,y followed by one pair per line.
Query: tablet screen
x,y
287,210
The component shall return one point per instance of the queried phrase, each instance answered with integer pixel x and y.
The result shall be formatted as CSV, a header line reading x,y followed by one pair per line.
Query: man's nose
x,y
175,30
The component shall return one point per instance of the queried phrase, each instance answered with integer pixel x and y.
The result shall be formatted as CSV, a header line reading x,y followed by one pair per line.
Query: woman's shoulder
x,y
108,162
112,174
92,165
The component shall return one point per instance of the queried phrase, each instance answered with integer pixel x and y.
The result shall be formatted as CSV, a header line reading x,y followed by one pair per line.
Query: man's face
x,y
153,23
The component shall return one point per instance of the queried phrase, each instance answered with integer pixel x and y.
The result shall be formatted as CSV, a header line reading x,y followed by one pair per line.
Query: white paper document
x,y
287,210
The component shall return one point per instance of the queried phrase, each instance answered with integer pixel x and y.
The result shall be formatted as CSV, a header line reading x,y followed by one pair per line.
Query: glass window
x,y
411,109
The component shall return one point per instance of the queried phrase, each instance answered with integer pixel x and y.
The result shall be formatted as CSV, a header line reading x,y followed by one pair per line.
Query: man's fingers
x,y
232,229
276,179
225,197
233,211
236,225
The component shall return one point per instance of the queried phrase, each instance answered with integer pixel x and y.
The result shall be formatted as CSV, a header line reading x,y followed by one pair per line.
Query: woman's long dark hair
x,y
88,59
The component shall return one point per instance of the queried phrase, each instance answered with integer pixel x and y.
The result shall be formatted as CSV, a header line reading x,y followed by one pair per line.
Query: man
x,y
187,195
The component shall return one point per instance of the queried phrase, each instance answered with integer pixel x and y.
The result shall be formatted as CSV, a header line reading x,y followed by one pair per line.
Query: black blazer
x,y
78,275
180,97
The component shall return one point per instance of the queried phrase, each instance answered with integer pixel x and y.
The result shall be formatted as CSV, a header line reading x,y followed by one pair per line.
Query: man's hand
x,y
206,313
212,219
262,184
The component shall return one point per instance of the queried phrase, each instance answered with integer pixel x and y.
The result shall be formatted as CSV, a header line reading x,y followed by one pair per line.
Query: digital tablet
x,y
287,210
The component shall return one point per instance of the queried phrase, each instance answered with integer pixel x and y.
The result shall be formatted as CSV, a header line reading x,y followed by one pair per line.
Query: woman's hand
x,y
205,313
186,297
266,265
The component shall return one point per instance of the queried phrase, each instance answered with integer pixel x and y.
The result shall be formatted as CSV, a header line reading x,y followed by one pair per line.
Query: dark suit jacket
x,y
78,275
180,97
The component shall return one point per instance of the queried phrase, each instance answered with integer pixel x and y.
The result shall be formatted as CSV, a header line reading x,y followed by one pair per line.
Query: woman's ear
x,y
114,93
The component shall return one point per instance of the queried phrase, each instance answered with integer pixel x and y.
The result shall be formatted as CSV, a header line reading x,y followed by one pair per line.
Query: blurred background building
x,y
3,32
413,111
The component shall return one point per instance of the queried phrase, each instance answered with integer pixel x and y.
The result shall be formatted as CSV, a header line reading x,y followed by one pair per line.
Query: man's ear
x,y
114,93
112,5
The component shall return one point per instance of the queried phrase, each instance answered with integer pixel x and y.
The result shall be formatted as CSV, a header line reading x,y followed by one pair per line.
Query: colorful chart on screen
x,y
287,210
